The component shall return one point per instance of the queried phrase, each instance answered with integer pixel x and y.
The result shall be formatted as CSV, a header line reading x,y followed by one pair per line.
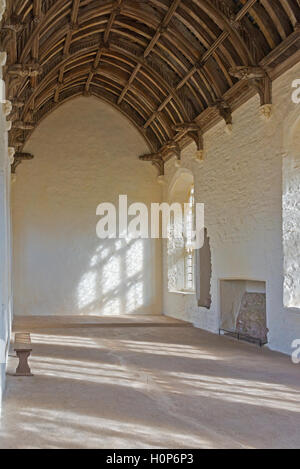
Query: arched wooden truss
x,y
173,67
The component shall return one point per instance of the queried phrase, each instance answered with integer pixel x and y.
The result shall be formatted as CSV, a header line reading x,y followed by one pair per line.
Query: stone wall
x,y
240,182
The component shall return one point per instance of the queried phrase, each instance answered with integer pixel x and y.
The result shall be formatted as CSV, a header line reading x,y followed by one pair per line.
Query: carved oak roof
x,y
162,63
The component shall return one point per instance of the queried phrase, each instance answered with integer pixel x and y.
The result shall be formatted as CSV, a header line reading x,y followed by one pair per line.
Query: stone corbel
x,y
11,155
225,112
259,80
3,58
7,108
8,126
18,158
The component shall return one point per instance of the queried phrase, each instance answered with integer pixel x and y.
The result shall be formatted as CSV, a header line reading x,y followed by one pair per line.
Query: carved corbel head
x,y
8,126
11,155
225,112
7,108
3,58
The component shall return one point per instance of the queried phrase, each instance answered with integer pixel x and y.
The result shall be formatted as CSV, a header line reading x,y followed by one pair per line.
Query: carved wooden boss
x,y
174,68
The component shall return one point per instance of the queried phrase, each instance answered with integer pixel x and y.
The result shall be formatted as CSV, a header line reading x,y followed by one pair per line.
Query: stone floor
x,y
148,382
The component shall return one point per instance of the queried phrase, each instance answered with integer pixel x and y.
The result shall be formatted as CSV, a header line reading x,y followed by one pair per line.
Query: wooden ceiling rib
x,y
165,64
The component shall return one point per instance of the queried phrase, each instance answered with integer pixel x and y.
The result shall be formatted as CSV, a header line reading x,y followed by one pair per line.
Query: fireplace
x,y
243,310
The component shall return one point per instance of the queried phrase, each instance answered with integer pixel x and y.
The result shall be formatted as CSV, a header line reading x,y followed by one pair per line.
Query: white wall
x,y
291,217
240,182
85,153
5,238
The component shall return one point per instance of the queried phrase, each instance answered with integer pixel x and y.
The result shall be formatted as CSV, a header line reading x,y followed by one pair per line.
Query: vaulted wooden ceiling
x,y
173,67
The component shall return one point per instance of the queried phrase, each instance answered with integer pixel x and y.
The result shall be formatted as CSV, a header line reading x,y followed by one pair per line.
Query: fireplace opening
x,y
243,310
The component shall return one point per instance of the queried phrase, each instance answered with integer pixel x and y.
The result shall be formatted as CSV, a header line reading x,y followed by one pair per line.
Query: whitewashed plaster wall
x,y
5,226
291,215
240,182
85,153
5,290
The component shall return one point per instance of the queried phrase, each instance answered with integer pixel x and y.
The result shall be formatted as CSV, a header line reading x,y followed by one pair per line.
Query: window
x,y
181,253
189,253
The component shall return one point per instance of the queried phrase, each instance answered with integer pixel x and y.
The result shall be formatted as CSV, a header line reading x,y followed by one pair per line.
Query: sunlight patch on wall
x,y
135,297
135,258
111,274
87,289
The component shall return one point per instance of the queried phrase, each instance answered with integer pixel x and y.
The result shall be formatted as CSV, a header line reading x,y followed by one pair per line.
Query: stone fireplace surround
x,y
243,308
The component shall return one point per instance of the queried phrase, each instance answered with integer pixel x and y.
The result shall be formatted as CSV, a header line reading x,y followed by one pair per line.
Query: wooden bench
x,y
23,349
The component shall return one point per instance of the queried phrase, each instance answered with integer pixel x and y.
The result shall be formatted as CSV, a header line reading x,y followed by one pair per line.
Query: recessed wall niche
x,y
243,309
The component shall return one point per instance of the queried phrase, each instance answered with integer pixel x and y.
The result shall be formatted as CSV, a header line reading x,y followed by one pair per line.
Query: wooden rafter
x,y
73,26
199,65
162,64
162,28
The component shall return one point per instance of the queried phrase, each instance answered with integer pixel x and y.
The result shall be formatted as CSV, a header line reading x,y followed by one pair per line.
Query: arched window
x,y
181,255
189,254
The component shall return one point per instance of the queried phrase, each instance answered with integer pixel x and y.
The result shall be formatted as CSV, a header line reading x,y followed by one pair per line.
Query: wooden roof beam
x,y
116,11
258,79
93,70
151,45
72,27
204,58
290,10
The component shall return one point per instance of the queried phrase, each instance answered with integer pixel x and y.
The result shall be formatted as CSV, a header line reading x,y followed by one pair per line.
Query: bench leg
x,y
23,368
